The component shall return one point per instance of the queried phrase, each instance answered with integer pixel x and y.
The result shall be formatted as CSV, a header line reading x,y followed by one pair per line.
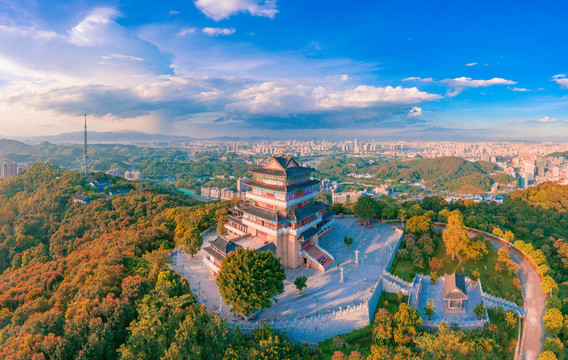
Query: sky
x,y
447,70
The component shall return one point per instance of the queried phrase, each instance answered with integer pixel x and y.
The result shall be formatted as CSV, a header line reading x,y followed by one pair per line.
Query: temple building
x,y
454,293
280,210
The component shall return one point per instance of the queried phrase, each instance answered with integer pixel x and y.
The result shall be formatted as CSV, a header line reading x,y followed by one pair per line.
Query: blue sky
x,y
203,68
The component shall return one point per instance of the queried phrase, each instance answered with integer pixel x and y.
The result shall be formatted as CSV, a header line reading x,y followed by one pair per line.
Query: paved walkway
x,y
534,304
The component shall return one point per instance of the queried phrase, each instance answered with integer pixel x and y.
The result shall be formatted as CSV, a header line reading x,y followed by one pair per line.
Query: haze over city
x,y
287,69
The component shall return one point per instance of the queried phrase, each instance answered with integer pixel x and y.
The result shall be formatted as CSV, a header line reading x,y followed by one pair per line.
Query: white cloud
x,y
414,112
223,9
521,89
561,79
218,31
544,120
96,29
343,77
418,78
459,84
471,64
174,12
186,31
286,97
121,57
463,82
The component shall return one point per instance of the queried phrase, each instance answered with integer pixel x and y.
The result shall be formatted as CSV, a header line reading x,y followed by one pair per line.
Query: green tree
x,y
348,240
249,279
300,283
553,321
455,236
554,303
429,309
553,344
366,208
479,310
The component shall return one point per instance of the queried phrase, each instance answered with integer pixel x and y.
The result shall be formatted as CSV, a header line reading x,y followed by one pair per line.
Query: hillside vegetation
x,y
445,173
91,282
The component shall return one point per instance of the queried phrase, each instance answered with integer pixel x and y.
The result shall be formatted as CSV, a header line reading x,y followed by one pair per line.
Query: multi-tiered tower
x,y
281,210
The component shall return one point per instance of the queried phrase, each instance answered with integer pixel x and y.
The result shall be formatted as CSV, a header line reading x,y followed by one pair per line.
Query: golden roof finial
x,y
282,152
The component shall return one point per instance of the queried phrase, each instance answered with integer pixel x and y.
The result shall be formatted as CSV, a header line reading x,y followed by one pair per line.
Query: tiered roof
x,y
282,166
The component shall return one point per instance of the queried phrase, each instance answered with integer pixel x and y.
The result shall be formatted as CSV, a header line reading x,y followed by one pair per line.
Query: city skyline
x,y
210,68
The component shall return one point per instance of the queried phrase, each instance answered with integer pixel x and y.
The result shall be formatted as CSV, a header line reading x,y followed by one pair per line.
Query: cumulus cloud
x,y
471,64
561,80
290,96
122,79
218,31
223,9
96,29
414,112
521,89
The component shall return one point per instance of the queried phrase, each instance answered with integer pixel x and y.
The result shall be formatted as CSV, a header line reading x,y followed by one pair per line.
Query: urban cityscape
x,y
269,179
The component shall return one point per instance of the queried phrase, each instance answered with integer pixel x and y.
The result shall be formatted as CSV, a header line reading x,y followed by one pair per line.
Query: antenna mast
x,y
86,164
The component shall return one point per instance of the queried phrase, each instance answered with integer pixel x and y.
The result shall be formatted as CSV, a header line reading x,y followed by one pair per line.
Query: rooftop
x,y
454,287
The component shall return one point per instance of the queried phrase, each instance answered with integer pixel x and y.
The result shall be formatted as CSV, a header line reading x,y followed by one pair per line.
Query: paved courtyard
x,y
436,292
324,292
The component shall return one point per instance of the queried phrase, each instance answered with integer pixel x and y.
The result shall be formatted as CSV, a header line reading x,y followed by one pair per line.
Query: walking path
x,y
534,302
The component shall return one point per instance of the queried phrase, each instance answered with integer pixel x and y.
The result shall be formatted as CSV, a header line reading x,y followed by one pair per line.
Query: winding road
x,y
533,335
534,299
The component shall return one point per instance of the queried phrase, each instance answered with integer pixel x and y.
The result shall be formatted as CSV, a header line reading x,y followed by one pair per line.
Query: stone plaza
x,y
324,292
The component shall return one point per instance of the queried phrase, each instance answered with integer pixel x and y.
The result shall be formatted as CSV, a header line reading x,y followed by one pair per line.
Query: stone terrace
x,y
324,292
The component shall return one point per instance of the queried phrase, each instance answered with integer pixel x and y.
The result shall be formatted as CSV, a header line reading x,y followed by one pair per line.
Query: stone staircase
x,y
319,256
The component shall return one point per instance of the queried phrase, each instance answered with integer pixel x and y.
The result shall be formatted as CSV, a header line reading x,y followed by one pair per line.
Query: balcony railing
x,y
260,227
278,202
234,229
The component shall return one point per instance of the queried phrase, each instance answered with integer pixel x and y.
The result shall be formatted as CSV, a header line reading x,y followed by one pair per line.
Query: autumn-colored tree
x,y
249,279
455,236
547,355
553,321
511,319
419,225
548,285
406,320
382,327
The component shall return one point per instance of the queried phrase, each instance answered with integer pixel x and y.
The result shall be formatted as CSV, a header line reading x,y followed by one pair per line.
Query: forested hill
x,y
563,154
444,173
90,282
546,195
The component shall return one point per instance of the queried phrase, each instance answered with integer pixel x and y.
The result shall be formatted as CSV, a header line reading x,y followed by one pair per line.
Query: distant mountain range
x,y
124,137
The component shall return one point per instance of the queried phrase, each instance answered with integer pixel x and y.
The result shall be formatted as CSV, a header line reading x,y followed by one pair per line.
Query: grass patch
x,y
360,340
493,282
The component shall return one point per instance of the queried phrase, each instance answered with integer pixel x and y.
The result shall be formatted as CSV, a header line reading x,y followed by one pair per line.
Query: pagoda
x,y
280,209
